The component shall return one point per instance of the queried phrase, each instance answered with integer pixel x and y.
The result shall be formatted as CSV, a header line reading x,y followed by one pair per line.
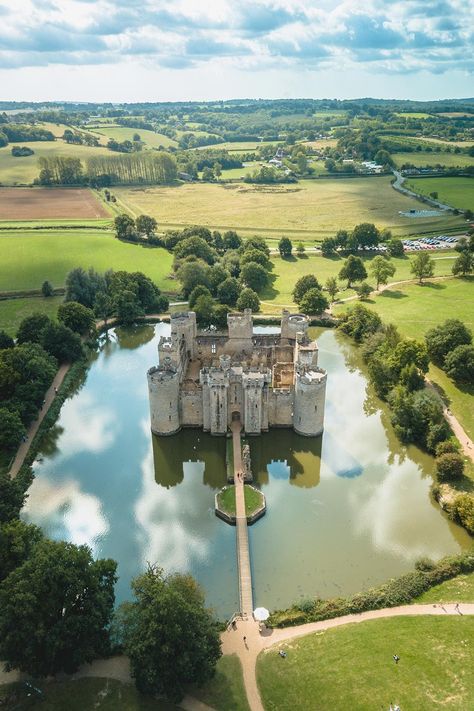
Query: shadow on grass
x,y
389,294
291,258
433,285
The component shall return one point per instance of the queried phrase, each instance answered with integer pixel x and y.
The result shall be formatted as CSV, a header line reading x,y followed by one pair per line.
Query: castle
x,y
207,379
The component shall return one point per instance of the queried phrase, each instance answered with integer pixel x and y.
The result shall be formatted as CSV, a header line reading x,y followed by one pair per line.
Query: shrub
x,y
313,302
449,446
463,511
424,564
199,290
248,299
304,284
449,466
47,288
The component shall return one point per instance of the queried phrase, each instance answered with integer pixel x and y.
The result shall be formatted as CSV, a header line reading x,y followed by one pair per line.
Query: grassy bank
x,y
352,667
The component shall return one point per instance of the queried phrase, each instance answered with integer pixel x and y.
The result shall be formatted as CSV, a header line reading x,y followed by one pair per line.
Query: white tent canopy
x,y
261,614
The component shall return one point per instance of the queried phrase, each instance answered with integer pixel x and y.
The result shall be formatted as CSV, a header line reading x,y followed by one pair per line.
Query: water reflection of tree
x,y
302,455
132,337
49,443
169,454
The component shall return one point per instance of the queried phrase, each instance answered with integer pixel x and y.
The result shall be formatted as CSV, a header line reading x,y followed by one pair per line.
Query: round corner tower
x,y
163,391
309,401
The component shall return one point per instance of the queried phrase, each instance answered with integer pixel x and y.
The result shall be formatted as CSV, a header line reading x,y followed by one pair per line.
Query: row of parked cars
x,y
440,242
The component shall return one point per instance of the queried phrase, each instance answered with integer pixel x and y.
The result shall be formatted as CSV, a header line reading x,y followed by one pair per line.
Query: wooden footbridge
x,y
242,538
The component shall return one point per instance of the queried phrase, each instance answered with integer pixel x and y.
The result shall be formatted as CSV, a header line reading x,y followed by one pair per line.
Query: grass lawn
x,y
415,309
450,160
458,192
413,114
81,695
307,210
287,271
226,691
459,589
12,311
239,145
123,133
226,499
22,171
28,258
352,667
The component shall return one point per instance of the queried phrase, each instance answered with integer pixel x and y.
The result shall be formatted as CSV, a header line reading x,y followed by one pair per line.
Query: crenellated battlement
x,y
207,379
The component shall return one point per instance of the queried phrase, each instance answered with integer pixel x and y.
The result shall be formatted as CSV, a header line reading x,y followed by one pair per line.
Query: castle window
x,y
315,408
213,348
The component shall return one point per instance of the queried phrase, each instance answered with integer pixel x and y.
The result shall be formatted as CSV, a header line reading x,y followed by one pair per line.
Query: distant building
x,y
208,379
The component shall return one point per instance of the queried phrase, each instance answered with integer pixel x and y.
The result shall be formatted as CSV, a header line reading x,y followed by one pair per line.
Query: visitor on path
x,y
245,641
282,653
456,607
396,658
234,625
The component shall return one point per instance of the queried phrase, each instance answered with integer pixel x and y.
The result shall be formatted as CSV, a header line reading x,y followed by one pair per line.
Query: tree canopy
x,y
170,637
55,609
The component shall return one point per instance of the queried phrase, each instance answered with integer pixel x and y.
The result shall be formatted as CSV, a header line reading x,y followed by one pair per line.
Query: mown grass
x,y
28,258
80,695
13,311
352,667
286,272
418,158
226,500
305,211
415,309
22,171
458,589
123,133
225,692
457,192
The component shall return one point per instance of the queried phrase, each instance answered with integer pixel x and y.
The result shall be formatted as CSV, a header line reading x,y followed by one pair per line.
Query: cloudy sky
x,y
150,50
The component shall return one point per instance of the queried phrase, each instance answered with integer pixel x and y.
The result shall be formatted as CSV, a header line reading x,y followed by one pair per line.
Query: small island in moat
x,y
255,505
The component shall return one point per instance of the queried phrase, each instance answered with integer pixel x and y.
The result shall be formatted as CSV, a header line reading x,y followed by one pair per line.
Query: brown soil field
x,y
49,204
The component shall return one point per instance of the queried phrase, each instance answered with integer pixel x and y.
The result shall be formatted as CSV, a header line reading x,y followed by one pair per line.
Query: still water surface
x,y
345,511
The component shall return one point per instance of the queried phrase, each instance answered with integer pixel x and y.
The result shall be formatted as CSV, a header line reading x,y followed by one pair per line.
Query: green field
x,y
242,146
418,158
22,171
226,499
12,311
352,667
458,589
457,192
123,133
307,210
413,114
287,271
415,309
28,258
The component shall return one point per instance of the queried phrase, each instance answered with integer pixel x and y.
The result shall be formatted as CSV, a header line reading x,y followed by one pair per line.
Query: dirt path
x,y
256,642
465,441
24,447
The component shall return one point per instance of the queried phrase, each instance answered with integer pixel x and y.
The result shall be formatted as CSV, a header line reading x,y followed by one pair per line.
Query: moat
x,y
345,511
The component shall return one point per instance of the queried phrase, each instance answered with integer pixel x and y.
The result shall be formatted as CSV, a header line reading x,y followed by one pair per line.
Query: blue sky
x,y
151,50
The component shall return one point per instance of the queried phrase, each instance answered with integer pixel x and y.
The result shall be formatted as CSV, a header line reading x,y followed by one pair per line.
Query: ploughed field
x,y
50,203
308,210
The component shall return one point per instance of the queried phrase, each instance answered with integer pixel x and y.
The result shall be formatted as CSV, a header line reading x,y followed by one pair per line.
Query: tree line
x,y
148,167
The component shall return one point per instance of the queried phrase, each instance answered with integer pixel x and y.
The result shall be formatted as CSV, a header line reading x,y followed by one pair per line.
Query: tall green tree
x,y
146,225
55,609
381,269
285,247
304,284
124,227
353,270
254,276
248,299
332,288
169,636
17,542
228,291
422,266
444,338
313,302
11,429
464,264
77,317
